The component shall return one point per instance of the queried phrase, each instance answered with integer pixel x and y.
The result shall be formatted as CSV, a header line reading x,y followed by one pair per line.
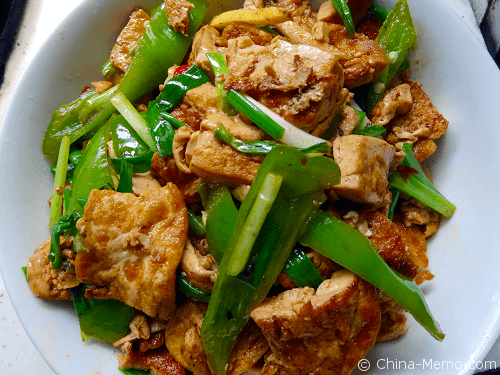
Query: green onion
x,y
107,69
418,185
263,203
123,105
345,14
195,223
254,111
62,224
25,271
173,120
191,291
219,67
60,181
395,197
133,371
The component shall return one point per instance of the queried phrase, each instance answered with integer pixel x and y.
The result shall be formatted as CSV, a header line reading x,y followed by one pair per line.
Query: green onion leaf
x,y
301,270
345,14
219,67
191,291
123,105
195,223
60,181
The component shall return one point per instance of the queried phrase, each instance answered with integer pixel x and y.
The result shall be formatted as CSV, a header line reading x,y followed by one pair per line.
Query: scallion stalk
x,y
123,105
59,181
345,14
265,198
195,223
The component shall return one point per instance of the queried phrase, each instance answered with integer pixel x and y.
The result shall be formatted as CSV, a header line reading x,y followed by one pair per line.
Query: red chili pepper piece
x,y
85,89
181,69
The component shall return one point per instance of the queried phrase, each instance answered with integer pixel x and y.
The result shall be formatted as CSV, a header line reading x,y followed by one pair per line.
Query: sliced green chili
x,y
64,223
219,68
301,270
195,223
351,249
126,173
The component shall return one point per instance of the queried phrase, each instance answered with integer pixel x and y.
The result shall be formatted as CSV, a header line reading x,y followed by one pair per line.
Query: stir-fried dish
x,y
246,195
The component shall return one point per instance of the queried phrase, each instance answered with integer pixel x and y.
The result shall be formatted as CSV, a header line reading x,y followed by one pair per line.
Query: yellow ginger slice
x,y
261,17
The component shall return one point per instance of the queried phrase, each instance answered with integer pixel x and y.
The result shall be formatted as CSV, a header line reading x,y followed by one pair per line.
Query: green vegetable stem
x,y
158,49
416,184
190,291
396,36
234,296
59,181
351,249
345,14
219,68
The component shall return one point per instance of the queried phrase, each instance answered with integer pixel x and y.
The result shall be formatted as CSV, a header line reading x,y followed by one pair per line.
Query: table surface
x,y
17,353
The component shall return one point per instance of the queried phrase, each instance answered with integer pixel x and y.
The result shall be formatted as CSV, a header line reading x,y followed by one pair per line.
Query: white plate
x,y
458,75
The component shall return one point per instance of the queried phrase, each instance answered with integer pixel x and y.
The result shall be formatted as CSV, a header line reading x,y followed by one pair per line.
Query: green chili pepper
x,y
64,223
133,371
126,141
25,271
418,186
126,173
221,217
301,269
396,36
103,319
158,49
93,170
162,131
351,249
190,291
345,14
141,163
233,297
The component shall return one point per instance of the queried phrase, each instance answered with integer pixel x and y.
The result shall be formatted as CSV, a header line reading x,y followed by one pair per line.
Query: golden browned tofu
x,y
300,82
364,165
196,104
404,249
182,337
133,247
216,162
326,331
420,126
46,282
177,12
121,55
365,61
393,326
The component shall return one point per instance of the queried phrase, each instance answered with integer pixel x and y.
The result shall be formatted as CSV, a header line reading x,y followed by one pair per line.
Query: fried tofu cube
x,y
364,164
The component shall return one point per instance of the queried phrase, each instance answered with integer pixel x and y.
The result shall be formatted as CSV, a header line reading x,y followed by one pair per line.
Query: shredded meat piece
x,y
121,55
348,122
417,213
420,126
393,326
46,282
322,332
238,29
177,12
158,361
154,341
133,247
101,86
395,101
140,326
166,170
200,270
196,104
